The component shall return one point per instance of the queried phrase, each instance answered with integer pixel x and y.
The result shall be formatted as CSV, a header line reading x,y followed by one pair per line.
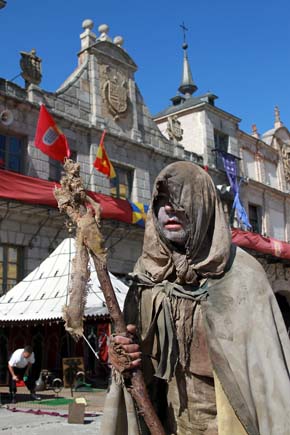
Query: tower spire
x,y
277,122
187,86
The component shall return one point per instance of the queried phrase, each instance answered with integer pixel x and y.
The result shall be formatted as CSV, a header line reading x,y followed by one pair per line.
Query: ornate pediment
x,y
112,51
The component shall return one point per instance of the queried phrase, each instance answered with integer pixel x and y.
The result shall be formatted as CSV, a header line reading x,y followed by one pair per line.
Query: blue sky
x,y
238,49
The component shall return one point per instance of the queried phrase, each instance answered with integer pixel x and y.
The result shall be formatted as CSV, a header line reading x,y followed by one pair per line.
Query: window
x,y
255,218
249,165
277,224
122,186
271,174
221,142
11,153
11,266
56,167
74,155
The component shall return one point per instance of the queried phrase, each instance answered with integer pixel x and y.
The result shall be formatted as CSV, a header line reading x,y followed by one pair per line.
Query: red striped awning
x,y
38,191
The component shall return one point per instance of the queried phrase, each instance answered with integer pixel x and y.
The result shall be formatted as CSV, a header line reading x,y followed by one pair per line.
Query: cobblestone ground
x,y
16,423
22,418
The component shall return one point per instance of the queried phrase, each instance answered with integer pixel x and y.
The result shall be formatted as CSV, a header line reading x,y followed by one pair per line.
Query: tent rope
x,y
90,346
69,271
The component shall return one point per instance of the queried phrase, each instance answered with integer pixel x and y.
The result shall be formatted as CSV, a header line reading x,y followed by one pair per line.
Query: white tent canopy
x,y
43,293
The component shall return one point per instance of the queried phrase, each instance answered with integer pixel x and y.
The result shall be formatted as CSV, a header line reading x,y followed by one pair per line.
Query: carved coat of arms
x,y
174,129
286,161
115,91
31,67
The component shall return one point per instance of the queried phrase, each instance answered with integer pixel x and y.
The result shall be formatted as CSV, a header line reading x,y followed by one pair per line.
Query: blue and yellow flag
x,y
139,213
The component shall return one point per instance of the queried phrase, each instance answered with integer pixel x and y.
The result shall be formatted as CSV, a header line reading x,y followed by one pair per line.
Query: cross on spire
x,y
187,86
184,30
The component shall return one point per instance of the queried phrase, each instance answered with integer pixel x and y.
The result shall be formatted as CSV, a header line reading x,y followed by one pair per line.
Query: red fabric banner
x,y
38,191
103,331
49,138
266,245
14,186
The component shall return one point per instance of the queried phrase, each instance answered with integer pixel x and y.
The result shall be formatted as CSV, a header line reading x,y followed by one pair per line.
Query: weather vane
x,y
184,30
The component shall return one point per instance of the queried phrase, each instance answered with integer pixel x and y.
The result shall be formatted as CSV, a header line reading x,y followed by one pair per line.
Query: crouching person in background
x,y
18,366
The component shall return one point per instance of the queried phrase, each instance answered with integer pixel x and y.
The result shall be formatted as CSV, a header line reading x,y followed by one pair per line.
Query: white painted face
x,y
172,223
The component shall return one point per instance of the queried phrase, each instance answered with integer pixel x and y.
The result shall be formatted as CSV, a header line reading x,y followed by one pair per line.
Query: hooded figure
x,y
215,351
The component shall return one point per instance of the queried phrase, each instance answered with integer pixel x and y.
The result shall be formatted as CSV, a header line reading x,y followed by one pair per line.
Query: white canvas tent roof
x,y
43,293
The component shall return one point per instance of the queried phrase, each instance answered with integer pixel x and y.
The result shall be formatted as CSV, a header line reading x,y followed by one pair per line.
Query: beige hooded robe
x,y
220,298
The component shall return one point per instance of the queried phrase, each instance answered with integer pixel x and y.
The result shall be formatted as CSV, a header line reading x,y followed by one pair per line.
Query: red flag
x,y
49,138
102,162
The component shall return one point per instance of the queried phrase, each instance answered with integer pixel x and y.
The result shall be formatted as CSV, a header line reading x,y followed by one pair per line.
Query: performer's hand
x,y
130,347
15,378
123,352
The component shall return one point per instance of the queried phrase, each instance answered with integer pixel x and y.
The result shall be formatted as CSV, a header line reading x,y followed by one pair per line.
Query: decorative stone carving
x,y
104,30
31,67
287,273
114,90
118,40
174,129
286,161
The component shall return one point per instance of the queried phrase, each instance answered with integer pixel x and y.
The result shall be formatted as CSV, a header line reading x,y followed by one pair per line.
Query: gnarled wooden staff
x,y
72,200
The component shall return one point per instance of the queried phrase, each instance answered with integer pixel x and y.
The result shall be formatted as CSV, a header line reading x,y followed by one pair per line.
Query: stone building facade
x,y
263,163
101,93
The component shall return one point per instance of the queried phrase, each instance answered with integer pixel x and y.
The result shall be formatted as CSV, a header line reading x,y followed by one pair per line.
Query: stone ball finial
x,y
184,46
87,24
104,28
119,41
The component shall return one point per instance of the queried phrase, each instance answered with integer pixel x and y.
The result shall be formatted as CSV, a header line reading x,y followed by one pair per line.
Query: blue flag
x,y
230,166
241,212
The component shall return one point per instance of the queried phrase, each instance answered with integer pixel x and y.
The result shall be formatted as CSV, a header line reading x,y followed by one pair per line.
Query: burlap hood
x,y
191,189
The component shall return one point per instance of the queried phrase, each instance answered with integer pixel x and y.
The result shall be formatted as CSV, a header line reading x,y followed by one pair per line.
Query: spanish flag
x,y
102,162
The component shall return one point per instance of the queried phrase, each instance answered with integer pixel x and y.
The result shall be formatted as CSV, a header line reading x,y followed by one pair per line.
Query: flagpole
x,y
91,173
